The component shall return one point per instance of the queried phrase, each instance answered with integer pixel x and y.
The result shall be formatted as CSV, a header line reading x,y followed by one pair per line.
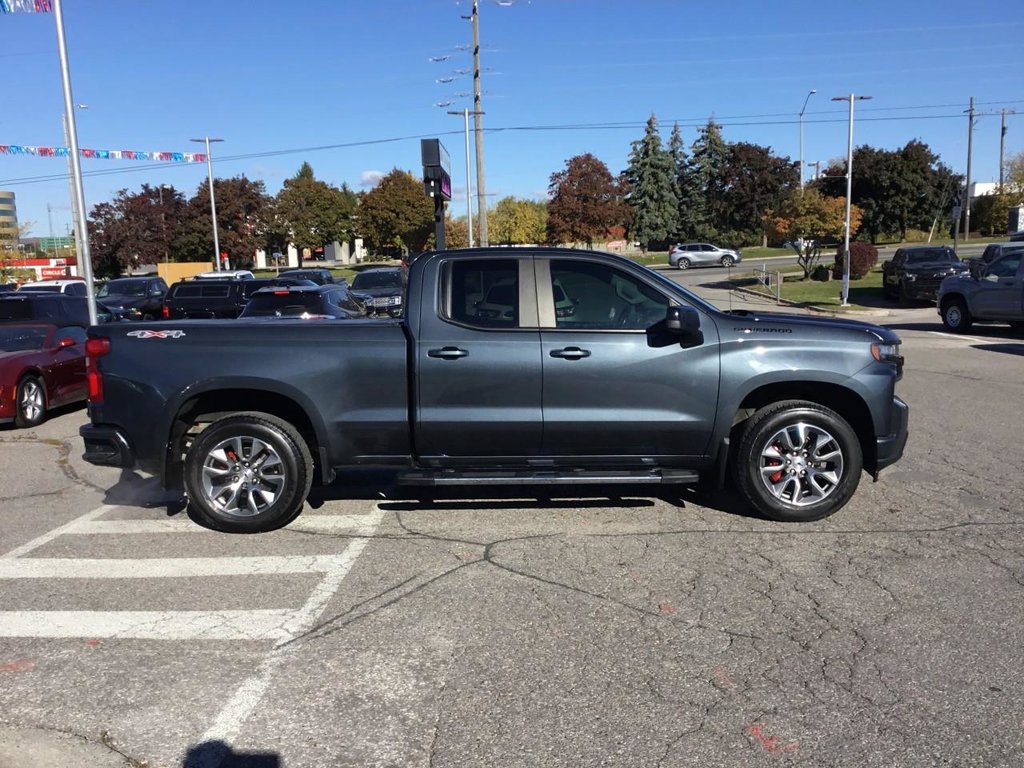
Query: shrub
x,y
863,256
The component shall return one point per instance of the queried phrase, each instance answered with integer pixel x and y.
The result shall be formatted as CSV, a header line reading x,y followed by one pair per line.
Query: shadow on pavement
x,y
217,754
134,490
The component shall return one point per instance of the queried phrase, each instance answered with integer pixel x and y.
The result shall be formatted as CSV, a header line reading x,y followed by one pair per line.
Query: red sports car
x,y
41,367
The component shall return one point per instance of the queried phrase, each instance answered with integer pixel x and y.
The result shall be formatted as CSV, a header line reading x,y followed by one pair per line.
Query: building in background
x,y
8,219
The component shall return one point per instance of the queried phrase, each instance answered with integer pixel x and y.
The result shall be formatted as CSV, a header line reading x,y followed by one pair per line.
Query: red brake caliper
x,y
776,476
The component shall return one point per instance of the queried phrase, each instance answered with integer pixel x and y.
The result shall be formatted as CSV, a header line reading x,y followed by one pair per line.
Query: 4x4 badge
x,y
157,334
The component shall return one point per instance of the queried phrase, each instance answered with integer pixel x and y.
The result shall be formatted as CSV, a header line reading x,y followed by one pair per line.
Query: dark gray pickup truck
x,y
521,366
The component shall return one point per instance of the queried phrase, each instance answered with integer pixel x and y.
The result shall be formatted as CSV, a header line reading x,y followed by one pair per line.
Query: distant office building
x,y
981,188
8,218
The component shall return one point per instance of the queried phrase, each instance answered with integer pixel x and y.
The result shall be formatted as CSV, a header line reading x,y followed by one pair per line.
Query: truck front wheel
x,y
798,461
248,473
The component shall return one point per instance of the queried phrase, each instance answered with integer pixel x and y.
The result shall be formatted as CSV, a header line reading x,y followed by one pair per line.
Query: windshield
x,y
924,257
18,339
40,289
292,305
377,280
122,288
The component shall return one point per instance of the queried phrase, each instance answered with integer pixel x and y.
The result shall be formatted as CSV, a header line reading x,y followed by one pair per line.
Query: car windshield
x,y
17,339
122,288
280,305
40,289
377,280
924,257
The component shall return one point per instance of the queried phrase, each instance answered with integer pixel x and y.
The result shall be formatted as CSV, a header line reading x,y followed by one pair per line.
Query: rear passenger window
x,y
215,291
484,293
187,292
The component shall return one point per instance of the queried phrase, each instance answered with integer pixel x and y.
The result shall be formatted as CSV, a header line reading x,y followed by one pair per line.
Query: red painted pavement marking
x,y
17,666
769,743
723,678
92,643
666,608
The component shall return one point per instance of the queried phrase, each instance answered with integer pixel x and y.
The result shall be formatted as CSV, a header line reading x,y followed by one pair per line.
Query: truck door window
x,y
1005,267
592,296
484,293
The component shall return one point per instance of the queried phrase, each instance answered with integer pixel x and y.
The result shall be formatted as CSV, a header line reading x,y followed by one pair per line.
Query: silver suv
x,y
701,255
992,292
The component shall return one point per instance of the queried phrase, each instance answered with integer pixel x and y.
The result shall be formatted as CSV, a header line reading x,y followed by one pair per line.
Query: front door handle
x,y
570,353
447,353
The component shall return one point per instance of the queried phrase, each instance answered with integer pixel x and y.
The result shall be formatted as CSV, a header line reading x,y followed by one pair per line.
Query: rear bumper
x,y
889,449
106,446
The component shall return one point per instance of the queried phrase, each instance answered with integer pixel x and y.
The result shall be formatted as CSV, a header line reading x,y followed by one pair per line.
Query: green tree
x,y
10,241
652,193
396,217
586,201
310,213
243,214
690,212
517,222
456,232
755,182
709,151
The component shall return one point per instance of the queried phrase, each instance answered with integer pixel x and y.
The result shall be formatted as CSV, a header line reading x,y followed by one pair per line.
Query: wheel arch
x,y
843,400
207,406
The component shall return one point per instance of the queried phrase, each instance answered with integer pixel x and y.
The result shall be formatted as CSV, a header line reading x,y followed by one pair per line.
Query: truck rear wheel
x,y
248,473
798,461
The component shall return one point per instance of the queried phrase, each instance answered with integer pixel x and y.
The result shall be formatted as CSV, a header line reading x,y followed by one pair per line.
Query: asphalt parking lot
x,y
609,627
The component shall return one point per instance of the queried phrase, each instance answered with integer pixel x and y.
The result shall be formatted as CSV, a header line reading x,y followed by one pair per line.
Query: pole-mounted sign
x,y
437,182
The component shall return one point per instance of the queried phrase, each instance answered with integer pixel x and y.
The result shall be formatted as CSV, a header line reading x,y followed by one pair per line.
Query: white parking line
x,y
959,337
357,525
164,568
268,624
46,538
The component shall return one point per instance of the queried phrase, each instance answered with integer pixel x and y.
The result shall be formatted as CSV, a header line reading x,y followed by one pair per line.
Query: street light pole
x,y
478,127
71,183
804,107
469,180
163,222
849,193
213,202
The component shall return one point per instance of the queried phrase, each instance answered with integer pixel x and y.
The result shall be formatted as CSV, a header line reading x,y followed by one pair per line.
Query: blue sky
x,y
273,77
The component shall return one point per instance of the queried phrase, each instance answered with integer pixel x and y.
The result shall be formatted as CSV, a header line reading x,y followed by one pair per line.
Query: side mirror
x,y
685,322
991,278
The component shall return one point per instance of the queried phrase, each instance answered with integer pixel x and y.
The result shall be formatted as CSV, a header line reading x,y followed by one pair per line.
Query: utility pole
x,y
967,196
478,130
79,235
1002,142
469,179
845,295
802,109
213,203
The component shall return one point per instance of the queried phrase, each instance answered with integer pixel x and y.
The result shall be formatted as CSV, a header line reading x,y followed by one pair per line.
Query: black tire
x,y
281,467
683,264
30,403
728,261
955,315
826,485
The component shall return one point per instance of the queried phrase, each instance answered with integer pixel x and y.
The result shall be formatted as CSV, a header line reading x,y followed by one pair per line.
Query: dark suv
x,y
134,298
318,275
914,273
308,301
380,290
212,298
57,308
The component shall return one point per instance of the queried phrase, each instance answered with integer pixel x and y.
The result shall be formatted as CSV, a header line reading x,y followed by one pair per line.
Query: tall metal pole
x,y
849,196
967,196
804,107
71,185
478,127
469,179
213,202
1002,142
85,256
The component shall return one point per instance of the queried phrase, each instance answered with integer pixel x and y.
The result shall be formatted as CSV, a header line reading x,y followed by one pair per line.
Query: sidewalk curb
x,y
853,313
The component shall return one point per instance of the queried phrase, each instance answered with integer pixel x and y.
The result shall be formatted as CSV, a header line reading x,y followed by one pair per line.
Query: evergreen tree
x,y
651,188
709,158
690,211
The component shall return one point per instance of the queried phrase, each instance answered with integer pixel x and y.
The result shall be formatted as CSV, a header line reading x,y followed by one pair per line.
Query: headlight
x,y
888,352
910,277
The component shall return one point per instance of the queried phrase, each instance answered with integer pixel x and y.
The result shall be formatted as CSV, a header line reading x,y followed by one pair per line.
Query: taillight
x,y
281,293
95,348
166,312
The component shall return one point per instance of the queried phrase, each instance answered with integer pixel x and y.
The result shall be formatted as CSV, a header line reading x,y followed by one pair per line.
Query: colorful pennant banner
x,y
104,154
25,6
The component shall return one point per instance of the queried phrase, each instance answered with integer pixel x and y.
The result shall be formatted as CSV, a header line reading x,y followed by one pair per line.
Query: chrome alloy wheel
x,y
31,403
801,464
242,476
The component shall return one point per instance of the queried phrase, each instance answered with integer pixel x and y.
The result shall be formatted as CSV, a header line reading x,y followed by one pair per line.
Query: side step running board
x,y
569,477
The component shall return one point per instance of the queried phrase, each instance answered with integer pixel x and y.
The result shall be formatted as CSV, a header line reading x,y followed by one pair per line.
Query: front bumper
x,y
889,449
107,446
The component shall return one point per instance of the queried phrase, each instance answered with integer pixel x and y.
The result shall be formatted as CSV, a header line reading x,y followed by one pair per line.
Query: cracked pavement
x,y
591,627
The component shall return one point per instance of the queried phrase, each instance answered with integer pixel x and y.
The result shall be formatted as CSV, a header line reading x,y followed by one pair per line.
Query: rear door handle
x,y
447,353
570,353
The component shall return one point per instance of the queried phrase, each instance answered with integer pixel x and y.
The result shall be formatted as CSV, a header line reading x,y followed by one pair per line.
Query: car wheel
x,y
955,316
248,473
728,261
683,264
149,317
798,461
30,403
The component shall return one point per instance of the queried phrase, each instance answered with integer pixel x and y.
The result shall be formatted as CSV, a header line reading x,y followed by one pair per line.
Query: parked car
x,y
914,273
69,287
702,255
1017,237
226,274
992,252
380,290
8,287
644,383
42,367
44,307
992,292
305,301
318,275
134,298
208,298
